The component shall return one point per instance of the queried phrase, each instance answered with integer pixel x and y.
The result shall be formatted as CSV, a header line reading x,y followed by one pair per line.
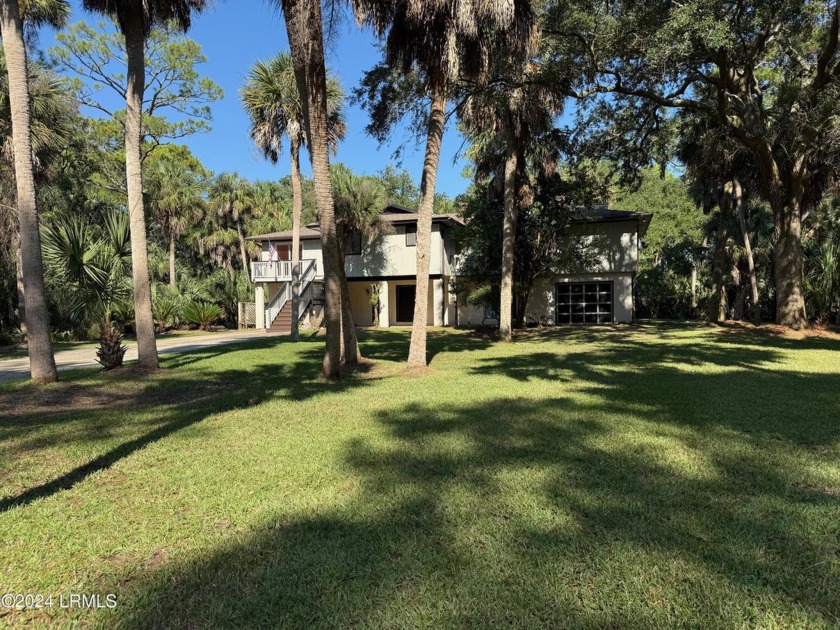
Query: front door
x,y
405,302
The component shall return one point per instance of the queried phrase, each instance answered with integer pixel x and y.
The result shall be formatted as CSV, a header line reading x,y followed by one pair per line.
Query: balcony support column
x,y
384,314
438,296
260,306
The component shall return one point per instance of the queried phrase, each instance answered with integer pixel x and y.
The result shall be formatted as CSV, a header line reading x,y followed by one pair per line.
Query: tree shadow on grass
x,y
766,337
392,344
173,398
564,511
705,384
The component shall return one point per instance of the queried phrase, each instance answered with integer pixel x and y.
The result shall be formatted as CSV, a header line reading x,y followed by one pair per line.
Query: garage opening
x,y
406,294
584,303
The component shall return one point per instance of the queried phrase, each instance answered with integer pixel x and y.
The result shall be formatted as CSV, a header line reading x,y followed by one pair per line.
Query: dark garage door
x,y
584,303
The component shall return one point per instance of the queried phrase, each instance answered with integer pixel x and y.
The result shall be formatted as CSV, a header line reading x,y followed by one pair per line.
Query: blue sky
x,y
232,38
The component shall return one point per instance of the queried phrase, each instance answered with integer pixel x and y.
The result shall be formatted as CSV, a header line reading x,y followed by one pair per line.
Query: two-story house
x,y
383,271
386,267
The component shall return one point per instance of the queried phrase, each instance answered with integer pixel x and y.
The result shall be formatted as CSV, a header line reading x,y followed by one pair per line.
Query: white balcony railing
x,y
280,271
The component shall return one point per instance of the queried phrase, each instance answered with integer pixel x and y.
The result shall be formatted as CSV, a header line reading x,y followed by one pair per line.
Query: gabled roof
x,y
603,214
394,214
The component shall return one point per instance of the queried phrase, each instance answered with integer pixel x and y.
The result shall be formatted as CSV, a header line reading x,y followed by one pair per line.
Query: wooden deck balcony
x,y
280,271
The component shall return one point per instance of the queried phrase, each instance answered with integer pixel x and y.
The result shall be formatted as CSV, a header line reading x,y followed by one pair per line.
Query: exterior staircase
x,y
283,322
278,312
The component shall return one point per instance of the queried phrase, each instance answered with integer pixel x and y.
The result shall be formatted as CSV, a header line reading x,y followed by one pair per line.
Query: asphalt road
x,y
86,357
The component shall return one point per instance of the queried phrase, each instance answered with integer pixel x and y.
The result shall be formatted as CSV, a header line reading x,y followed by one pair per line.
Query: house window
x,y
584,303
355,243
410,235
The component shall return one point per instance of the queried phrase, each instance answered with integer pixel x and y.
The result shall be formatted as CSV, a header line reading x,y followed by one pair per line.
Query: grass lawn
x,y
617,477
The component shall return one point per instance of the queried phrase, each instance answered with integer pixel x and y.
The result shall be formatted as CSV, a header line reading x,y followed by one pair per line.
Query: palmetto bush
x,y
822,279
202,314
226,291
88,268
167,306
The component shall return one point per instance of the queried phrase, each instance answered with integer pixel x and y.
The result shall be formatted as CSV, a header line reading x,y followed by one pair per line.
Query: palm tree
x,y
358,208
740,208
509,122
271,98
304,29
441,38
52,114
232,199
41,360
723,175
177,201
91,266
135,19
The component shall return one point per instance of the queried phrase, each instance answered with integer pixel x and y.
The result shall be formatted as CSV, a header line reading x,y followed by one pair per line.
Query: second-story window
x,y
410,235
355,243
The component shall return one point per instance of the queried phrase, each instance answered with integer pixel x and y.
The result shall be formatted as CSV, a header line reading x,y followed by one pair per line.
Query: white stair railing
x,y
273,308
277,303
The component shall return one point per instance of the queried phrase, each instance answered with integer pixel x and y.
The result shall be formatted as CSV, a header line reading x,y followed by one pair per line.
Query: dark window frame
x,y
411,235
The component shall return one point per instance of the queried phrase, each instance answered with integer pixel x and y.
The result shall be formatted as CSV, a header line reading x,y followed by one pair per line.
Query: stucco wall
x,y
541,303
360,303
615,245
388,255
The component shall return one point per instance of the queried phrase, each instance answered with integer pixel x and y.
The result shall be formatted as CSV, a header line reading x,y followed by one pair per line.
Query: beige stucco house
x,y
386,267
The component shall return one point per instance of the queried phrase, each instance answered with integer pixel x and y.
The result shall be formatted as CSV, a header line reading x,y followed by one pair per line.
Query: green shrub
x,y
202,313
167,305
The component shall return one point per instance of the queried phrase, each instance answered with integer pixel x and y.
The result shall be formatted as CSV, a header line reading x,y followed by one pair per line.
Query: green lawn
x,y
617,477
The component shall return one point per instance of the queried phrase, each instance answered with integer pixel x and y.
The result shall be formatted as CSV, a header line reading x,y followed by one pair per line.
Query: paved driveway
x,y
86,357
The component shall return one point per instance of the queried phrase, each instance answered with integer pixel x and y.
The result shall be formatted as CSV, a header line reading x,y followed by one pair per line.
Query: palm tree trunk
x,y
41,360
508,242
297,209
20,292
742,220
136,74
437,120
720,269
304,29
173,280
693,284
243,252
350,341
